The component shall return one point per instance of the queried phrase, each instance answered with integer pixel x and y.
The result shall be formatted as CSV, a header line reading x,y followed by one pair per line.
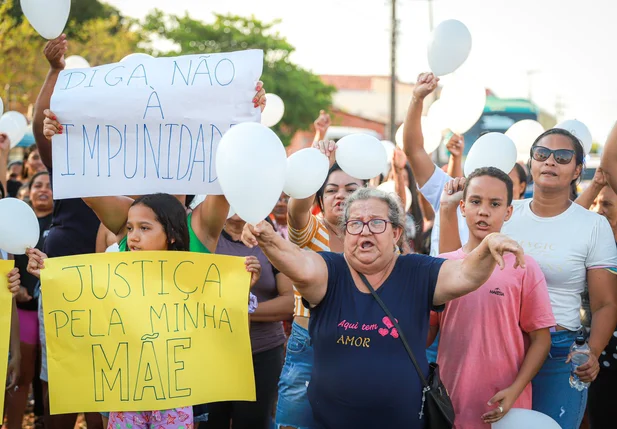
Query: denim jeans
x,y
293,408
552,394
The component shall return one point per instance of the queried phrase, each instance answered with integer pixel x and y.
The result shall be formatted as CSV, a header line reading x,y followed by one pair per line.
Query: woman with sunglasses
x,y
574,247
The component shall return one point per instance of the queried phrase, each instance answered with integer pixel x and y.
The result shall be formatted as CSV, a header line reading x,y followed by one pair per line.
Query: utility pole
x,y
392,128
530,74
430,15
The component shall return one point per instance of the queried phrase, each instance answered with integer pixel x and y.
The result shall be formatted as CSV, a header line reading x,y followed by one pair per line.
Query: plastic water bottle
x,y
580,355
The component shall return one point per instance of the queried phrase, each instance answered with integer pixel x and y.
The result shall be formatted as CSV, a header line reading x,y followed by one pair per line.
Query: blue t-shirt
x,y
362,375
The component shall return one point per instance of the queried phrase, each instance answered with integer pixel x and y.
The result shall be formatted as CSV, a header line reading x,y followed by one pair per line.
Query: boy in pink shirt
x,y
494,340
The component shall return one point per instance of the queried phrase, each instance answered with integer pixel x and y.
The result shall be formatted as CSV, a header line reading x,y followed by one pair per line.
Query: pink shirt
x,y
482,337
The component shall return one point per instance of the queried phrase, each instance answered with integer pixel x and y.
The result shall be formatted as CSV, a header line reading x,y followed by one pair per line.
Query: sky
x,y
560,51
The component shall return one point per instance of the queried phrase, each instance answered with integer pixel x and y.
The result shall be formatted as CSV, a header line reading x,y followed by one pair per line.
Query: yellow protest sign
x,y
6,307
142,331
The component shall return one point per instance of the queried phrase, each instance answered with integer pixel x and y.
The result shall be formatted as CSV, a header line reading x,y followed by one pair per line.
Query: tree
x,y
81,10
303,92
23,66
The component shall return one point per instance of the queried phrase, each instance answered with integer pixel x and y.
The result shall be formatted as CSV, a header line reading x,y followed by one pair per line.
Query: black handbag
x,y
436,403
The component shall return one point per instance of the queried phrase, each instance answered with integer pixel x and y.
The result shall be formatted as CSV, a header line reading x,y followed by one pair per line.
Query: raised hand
x,y
427,83
399,159
322,123
453,192
328,148
54,52
456,145
5,143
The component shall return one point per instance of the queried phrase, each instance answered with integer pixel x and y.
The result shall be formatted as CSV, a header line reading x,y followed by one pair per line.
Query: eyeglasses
x,y
561,156
375,226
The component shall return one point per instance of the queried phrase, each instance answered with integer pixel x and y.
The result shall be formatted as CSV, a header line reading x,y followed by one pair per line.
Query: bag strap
x,y
398,328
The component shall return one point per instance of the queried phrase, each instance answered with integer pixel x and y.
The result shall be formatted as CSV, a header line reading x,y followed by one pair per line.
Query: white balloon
x,y
76,62
307,170
361,156
463,103
523,134
389,147
518,418
579,130
389,186
449,47
491,150
274,111
431,133
438,114
251,164
15,125
47,17
136,57
19,227
398,138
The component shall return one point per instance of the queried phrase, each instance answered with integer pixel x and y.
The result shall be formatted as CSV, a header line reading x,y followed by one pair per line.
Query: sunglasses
x,y
561,156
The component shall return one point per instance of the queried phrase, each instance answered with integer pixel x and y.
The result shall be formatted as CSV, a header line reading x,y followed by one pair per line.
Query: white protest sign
x,y
150,126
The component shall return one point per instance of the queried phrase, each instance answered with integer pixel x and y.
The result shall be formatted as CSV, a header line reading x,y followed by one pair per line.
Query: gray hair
x,y
396,215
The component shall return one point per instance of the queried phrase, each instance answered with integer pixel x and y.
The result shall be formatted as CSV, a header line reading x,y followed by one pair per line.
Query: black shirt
x,y
73,230
21,261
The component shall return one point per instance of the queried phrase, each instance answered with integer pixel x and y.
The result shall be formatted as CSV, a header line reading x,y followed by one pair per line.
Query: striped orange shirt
x,y
314,236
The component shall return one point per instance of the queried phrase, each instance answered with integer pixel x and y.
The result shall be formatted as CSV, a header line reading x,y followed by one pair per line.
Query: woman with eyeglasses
x,y
575,249
362,376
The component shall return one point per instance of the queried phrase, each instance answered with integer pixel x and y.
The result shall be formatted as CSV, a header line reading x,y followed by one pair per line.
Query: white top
x,y
565,247
432,191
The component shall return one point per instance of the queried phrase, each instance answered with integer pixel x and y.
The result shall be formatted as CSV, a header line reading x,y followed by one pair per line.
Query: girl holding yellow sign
x,y
152,222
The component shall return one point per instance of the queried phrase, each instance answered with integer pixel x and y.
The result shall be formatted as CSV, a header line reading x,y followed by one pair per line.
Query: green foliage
x,y
303,92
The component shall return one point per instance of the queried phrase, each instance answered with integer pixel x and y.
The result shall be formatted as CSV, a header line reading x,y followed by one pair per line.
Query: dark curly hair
x,y
171,214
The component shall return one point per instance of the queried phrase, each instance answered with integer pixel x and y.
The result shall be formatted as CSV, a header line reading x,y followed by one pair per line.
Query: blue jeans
x,y
552,394
293,408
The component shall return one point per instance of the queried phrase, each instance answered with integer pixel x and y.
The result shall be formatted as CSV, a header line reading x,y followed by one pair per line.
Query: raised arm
x,y
209,219
399,160
449,237
609,158
589,195
456,147
5,147
306,269
299,210
460,277
413,141
54,52
112,212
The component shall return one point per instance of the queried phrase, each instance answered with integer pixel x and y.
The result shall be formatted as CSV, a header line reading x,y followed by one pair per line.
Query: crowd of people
x,y
492,287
